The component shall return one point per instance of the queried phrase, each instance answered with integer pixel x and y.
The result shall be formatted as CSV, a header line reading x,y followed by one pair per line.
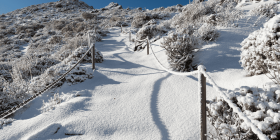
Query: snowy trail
x,y
130,97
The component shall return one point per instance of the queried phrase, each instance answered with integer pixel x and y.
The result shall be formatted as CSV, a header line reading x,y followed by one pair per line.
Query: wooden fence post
x,y
135,44
203,125
129,36
88,40
148,45
93,56
92,53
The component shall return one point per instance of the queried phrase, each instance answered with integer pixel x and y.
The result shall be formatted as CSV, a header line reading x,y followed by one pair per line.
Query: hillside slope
x,y
131,97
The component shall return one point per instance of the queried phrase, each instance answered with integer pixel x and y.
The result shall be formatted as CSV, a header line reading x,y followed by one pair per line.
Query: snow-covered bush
x,y
4,122
59,5
207,32
260,50
88,16
226,123
180,50
19,89
159,9
55,39
31,66
78,74
31,28
115,19
268,10
5,40
50,105
260,105
74,43
150,31
4,72
139,19
170,9
94,36
79,52
197,13
57,24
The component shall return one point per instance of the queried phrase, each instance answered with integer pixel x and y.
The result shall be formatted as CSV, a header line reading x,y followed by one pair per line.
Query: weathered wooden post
x,y
93,56
202,84
147,45
121,28
129,36
88,40
92,53
135,45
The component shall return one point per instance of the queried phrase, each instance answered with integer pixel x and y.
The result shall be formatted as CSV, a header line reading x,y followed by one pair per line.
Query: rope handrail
x,y
235,108
201,69
19,106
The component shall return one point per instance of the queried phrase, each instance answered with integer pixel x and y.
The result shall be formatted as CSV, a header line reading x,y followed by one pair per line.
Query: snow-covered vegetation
x,y
54,37
260,49
39,43
261,105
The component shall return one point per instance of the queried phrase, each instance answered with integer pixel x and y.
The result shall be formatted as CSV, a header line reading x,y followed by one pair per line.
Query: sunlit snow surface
x,y
130,97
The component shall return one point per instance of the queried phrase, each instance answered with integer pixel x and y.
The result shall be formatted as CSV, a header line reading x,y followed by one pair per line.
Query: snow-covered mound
x,y
260,49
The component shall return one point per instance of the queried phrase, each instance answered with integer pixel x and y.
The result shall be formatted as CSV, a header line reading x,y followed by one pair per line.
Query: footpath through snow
x,y
129,97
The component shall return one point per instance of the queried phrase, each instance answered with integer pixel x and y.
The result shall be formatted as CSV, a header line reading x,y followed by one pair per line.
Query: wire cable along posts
x,y
202,76
15,108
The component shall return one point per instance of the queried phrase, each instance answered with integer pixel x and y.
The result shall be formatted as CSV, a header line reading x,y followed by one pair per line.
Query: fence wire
x,y
231,104
19,106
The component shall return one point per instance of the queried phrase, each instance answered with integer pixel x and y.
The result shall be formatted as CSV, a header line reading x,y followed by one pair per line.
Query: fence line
x,y
19,106
202,75
235,108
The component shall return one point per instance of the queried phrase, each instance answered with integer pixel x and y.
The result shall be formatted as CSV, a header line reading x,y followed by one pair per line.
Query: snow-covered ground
x,y
131,97
24,48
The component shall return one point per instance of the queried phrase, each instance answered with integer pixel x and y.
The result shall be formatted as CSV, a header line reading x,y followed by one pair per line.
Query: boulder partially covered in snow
x,y
260,50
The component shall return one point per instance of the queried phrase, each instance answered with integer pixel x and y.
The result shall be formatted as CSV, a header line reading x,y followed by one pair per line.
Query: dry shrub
x,y
69,34
80,27
196,13
268,10
180,50
1,36
150,31
55,39
67,28
58,24
207,32
29,29
71,45
2,27
139,19
59,5
170,9
6,40
159,9
30,65
78,19
89,16
115,19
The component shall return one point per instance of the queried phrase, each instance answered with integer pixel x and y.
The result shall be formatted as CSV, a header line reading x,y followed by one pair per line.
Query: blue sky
x,y
11,5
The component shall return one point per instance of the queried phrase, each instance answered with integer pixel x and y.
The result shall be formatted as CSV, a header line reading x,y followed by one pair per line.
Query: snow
x,y
24,48
131,96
